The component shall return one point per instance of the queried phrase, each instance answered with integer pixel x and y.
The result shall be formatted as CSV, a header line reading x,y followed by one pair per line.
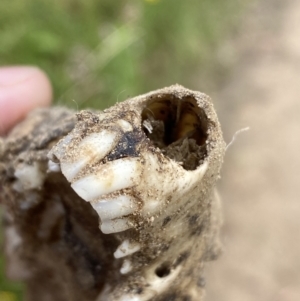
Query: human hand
x,y
22,88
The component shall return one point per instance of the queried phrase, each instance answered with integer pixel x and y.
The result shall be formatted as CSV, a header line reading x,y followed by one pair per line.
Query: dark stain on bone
x,y
212,254
201,282
139,290
195,224
170,297
88,261
197,231
193,219
166,221
182,257
127,146
164,247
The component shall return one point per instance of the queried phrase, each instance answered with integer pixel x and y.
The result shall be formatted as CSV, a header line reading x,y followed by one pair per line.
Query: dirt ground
x,y
260,183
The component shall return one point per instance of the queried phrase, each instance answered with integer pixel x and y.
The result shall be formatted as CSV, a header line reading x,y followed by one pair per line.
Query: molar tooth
x,y
70,170
115,226
114,207
91,149
115,175
97,145
59,151
126,248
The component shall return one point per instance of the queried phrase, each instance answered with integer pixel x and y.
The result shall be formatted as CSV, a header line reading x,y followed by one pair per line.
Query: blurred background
x,y
100,52
243,53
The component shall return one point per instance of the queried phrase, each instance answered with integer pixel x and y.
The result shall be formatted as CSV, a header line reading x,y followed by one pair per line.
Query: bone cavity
x,y
155,287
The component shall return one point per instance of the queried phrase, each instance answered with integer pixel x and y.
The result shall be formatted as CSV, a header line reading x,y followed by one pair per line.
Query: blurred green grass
x,y
100,52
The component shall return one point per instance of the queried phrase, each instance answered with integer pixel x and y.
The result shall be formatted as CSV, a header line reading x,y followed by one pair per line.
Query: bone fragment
x,y
116,205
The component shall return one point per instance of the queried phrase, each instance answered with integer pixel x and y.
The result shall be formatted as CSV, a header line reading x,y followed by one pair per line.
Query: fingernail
x,y
14,75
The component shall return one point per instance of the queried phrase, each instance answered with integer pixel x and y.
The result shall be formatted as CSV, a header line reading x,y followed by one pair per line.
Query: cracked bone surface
x,y
115,205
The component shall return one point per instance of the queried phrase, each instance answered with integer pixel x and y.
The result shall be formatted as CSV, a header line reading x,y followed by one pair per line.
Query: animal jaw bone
x,y
148,168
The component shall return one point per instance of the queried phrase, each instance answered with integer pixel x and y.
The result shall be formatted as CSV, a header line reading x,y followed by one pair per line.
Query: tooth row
x,y
89,150
105,179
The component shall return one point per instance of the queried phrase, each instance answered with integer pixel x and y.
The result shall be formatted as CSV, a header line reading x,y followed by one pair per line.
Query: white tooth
x,y
126,248
126,267
70,170
151,206
97,145
61,147
115,226
30,176
115,175
125,125
91,149
115,207
131,298
148,126
53,167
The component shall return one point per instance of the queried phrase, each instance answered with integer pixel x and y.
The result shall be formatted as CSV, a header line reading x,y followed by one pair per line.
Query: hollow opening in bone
x,y
163,270
178,127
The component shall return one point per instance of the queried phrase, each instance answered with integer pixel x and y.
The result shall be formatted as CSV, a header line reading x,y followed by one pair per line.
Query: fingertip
x,y
45,87
21,90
